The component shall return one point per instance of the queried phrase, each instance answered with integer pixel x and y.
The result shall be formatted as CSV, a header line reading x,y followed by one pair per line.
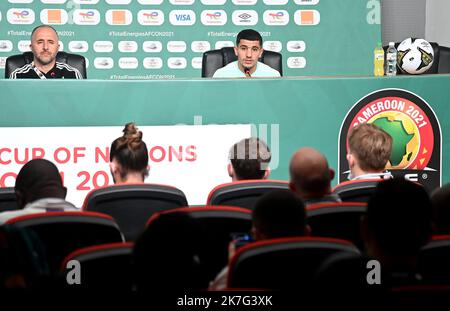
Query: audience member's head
x,y
249,159
310,174
44,45
369,149
441,209
279,214
129,156
38,179
398,222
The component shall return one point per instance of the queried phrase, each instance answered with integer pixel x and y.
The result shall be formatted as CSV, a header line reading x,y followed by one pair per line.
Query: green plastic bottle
x,y
378,61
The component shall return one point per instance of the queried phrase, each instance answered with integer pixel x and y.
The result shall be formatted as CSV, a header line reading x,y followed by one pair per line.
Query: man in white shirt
x,y
369,152
248,50
39,188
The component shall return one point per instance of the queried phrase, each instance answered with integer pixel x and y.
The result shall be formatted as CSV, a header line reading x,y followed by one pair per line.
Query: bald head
x,y
310,174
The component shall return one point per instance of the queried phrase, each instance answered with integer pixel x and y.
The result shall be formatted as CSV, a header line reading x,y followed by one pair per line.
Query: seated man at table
x,y
248,50
45,46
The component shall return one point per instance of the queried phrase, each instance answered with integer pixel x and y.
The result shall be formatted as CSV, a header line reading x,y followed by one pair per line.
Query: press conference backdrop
x,y
151,39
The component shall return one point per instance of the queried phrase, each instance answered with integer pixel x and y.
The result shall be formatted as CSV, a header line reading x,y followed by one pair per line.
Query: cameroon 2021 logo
x,y
413,126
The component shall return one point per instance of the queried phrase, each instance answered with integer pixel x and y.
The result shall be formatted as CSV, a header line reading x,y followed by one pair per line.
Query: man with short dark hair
x,y
311,177
248,50
38,189
45,46
369,152
249,159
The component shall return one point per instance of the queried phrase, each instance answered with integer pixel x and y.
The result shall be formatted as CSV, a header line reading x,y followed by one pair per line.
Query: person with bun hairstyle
x,y
129,156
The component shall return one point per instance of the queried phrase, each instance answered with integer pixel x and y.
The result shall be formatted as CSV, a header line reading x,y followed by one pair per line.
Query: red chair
x,y
243,193
187,247
63,232
106,266
356,190
131,205
337,220
285,263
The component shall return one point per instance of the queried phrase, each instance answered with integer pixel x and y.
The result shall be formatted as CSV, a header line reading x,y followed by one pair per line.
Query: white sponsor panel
x,y
128,46
182,151
78,46
307,17
151,17
103,63
150,2
153,63
118,1
128,62
86,17
6,46
244,2
196,62
20,16
276,17
54,17
86,1
182,17
182,2
306,2
213,2
119,17
296,62
103,46
24,45
176,62
53,1
20,1
274,46
152,46
245,17
200,46
176,46
222,44
214,17
275,2
296,46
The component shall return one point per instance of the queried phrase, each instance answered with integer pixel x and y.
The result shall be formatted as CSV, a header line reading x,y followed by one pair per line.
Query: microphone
x,y
52,74
247,72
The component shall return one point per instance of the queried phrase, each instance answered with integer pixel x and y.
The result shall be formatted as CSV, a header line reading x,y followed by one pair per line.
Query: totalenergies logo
x,y
87,16
151,16
20,16
277,16
214,16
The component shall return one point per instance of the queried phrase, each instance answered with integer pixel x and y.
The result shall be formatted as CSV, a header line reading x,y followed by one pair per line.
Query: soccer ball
x,y
415,56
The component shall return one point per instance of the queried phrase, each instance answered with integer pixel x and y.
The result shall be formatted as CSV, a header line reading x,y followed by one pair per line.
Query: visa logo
x,y
183,17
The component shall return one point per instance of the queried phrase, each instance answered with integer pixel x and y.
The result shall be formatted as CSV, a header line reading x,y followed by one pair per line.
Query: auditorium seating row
x,y
43,245
147,199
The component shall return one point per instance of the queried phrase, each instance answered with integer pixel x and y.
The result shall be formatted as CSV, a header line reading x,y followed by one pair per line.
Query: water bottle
x,y
391,60
378,61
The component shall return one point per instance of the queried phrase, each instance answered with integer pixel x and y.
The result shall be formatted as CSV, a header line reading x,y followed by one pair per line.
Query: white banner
x,y
192,158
